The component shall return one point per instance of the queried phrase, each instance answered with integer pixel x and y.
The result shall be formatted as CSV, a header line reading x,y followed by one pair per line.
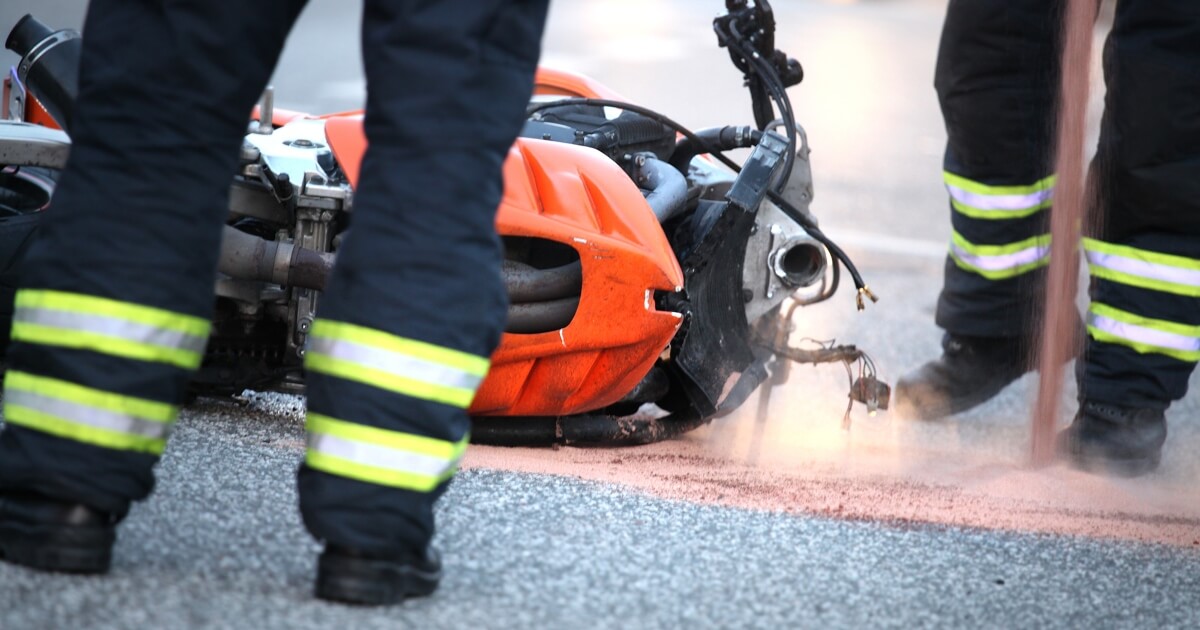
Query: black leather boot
x,y
353,577
52,535
970,371
1123,441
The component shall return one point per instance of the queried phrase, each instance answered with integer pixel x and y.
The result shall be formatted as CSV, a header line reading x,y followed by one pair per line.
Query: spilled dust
x,y
970,472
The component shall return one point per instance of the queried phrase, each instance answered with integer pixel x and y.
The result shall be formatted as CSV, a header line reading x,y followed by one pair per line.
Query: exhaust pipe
x,y
248,257
49,66
800,262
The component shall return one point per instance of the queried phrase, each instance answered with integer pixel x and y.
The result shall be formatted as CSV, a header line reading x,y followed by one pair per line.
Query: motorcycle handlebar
x,y
49,65
26,34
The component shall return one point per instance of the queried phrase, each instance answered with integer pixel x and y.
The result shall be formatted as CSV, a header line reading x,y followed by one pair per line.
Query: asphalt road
x,y
220,544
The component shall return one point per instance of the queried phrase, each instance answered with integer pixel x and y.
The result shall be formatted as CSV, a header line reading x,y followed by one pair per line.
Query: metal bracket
x,y
15,90
24,144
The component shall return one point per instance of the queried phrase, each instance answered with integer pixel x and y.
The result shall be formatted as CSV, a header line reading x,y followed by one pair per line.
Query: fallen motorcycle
x,y
652,280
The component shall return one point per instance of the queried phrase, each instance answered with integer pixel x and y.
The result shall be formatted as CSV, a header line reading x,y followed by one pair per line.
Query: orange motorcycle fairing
x,y
345,133
551,82
575,196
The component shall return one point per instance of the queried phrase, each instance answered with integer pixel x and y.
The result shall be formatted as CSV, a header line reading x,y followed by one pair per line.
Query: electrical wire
x,y
794,214
775,87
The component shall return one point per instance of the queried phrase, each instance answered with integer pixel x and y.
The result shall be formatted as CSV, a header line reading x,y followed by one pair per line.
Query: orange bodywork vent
x,y
575,196
579,197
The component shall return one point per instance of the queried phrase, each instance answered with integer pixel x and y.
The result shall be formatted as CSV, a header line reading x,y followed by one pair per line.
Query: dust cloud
x,y
969,472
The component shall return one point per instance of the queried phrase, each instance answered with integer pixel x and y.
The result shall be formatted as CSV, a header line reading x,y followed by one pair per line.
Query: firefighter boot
x,y
970,371
1123,441
353,577
51,535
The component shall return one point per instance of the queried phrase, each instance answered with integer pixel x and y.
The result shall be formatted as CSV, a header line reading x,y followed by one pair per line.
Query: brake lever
x,y
756,25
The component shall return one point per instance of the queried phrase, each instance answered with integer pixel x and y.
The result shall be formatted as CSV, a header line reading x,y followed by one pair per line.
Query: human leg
x,y
1144,253
415,306
996,80
113,309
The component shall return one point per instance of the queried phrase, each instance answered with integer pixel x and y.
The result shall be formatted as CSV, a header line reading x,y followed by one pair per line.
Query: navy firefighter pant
x,y
113,310
997,81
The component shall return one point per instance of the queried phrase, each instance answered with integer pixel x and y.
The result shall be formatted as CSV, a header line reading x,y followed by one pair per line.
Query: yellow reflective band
x,y
1143,334
1142,268
453,396
83,322
46,423
970,185
78,340
469,363
92,305
379,456
98,398
1173,328
404,366
1142,348
374,474
999,262
87,415
433,447
982,201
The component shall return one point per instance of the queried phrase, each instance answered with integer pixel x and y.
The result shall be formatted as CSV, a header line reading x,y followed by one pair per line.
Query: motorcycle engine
x,y
289,190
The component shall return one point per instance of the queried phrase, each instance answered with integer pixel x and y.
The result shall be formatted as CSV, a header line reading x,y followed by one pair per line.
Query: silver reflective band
x,y
380,456
1000,202
394,363
86,415
1002,262
1143,335
1144,269
111,327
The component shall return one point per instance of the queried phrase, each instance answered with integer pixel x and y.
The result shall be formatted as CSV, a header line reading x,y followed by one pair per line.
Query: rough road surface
x,y
793,522
220,546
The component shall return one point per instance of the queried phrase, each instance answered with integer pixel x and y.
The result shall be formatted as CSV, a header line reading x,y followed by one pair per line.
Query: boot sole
x,y
372,582
59,549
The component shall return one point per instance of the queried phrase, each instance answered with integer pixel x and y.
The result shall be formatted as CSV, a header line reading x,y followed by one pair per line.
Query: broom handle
x,y
1069,214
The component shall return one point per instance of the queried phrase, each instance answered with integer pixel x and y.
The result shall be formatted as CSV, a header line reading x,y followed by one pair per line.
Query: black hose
x,y
774,196
539,317
526,283
770,80
514,430
604,102
581,430
714,139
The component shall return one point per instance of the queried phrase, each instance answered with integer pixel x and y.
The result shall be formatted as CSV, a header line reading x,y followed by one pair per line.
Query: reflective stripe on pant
x,y
397,368
996,80
91,418
137,218
116,295
47,321
415,306
997,95
1143,321
1145,255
